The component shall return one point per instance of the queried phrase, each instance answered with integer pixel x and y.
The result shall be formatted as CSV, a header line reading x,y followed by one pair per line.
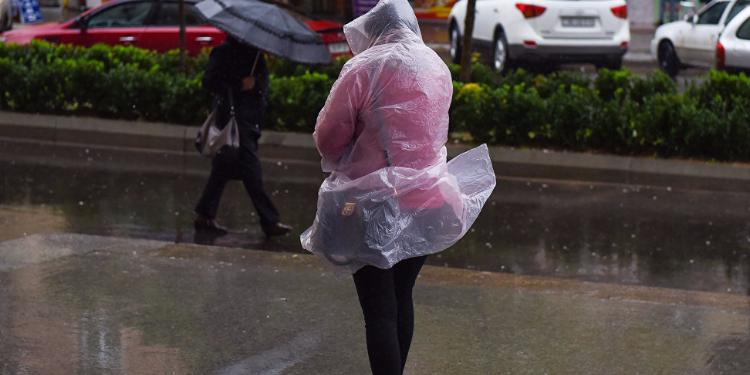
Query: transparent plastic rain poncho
x,y
382,134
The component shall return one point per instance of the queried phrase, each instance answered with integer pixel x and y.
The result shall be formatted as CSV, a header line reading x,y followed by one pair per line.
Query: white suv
x,y
692,42
733,48
527,32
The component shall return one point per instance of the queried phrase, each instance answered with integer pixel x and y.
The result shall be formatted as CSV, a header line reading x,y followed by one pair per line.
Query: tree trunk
x,y
183,49
466,49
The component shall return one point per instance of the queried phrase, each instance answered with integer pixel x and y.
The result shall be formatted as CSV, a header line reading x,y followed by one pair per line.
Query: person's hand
x,y
248,83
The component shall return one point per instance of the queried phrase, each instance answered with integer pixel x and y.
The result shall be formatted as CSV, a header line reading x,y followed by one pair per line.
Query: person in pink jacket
x,y
391,198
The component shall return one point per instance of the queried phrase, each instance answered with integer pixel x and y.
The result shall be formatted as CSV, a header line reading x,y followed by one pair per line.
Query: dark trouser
x,y
386,299
246,167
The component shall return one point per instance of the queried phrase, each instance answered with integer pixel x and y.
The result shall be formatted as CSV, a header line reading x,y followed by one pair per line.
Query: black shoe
x,y
206,225
278,229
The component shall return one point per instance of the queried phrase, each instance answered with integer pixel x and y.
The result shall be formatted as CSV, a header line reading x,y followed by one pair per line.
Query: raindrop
x,y
243,270
279,163
624,190
654,197
488,245
177,213
669,188
565,247
692,261
632,235
708,243
80,203
544,186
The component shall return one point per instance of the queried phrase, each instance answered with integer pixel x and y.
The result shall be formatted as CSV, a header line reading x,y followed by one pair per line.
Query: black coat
x,y
228,64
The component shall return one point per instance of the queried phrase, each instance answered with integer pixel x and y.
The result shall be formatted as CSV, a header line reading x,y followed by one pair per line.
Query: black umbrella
x,y
268,27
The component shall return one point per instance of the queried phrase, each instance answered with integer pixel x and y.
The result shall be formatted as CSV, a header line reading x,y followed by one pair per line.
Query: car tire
x,y
668,60
501,61
455,43
4,24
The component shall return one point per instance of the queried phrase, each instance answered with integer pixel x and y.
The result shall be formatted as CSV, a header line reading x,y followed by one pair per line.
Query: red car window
x,y
169,15
131,14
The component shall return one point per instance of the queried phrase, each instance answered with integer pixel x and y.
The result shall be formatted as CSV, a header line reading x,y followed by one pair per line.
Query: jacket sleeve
x,y
218,77
337,121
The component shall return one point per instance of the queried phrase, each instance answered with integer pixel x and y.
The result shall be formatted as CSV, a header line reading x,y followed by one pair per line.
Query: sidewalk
x,y
77,303
290,157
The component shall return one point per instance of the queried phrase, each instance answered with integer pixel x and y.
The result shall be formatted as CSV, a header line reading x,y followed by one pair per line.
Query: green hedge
x,y
614,112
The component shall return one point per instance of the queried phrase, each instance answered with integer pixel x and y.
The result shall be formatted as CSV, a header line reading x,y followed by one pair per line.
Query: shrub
x,y
615,112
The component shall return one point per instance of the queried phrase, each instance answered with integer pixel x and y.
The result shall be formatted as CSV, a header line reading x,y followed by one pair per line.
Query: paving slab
x,y
99,305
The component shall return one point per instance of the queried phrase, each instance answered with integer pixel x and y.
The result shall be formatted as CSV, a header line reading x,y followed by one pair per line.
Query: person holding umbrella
x,y
237,74
237,70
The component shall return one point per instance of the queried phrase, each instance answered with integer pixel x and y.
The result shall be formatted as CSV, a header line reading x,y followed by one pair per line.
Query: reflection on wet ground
x,y
612,233
128,306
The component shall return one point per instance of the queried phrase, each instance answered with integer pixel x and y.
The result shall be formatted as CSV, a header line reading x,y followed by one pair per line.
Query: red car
x,y
150,24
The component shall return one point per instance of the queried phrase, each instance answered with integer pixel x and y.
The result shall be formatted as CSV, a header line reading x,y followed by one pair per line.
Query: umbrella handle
x,y
257,56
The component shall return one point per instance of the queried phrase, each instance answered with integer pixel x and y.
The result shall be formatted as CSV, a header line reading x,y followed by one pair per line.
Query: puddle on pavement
x,y
611,233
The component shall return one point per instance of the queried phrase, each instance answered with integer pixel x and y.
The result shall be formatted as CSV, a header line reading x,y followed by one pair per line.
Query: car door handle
x,y
204,39
127,39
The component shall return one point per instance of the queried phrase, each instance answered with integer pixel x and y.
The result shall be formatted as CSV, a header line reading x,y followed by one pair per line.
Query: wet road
x,y
621,234
81,304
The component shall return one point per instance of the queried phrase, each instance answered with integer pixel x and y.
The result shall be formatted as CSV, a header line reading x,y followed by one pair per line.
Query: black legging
x,y
386,299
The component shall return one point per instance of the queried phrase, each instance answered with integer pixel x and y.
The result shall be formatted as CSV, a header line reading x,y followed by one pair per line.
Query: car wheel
x,y
668,60
455,39
5,23
501,61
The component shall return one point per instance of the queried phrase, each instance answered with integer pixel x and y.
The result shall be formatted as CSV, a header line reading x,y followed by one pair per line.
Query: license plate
x,y
578,21
338,48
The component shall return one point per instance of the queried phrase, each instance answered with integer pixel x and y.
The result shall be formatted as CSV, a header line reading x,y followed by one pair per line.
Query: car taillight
x,y
721,56
620,12
530,11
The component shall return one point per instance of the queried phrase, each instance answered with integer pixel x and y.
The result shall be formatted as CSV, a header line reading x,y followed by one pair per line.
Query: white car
x,y
733,48
692,42
534,32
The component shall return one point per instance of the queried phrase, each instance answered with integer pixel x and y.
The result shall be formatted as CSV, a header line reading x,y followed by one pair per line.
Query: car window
x,y
124,15
169,15
712,15
744,31
736,9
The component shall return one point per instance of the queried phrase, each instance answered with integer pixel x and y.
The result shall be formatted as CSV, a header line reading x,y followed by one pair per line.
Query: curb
x,y
296,152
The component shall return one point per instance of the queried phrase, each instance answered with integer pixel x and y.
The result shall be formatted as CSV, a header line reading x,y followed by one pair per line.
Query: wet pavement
x,y
664,237
82,304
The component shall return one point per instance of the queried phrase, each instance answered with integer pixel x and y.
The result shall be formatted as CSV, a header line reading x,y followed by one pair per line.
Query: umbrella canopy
x,y
268,27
